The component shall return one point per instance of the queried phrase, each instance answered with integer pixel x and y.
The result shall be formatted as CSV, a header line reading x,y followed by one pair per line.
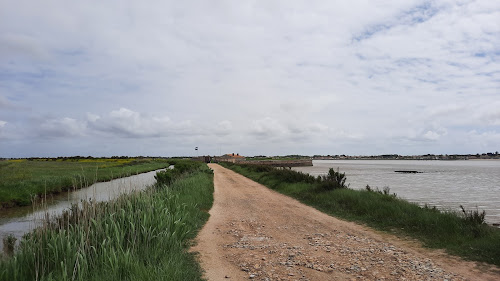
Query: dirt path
x,y
256,233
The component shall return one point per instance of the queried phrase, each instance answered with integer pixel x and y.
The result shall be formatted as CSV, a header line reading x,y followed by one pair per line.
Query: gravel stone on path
x,y
258,234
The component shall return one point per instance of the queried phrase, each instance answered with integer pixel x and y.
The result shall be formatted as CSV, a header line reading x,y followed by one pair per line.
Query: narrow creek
x,y
20,220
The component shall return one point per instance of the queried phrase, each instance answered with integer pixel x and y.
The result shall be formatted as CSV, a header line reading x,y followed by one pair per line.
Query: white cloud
x,y
431,132
224,128
489,114
2,130
318,128
403,75
493,118
267,128
128,123
63,127
92,117
13,45
487,141
5,103
430,135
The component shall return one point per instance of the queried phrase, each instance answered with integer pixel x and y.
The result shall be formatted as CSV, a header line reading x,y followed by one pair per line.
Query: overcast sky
x,y
158,78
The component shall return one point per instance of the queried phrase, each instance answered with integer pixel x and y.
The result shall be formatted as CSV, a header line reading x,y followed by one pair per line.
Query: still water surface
x,y
20,220
444,184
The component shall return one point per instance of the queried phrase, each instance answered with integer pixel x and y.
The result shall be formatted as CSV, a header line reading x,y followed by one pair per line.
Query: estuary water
x,y
444,184
20,220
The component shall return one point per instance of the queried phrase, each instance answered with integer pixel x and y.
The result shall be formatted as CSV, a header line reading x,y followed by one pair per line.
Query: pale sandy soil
x,y
256,233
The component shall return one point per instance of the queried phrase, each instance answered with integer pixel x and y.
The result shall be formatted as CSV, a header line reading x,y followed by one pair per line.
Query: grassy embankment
x,y
464,234
139,236
22,180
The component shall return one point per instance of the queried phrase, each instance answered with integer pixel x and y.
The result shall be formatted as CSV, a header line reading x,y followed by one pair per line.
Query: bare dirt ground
x,y
256,233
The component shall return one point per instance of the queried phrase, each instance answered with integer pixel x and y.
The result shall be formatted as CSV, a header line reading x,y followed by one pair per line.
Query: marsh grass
x,y
138,236
463,234
23,181
474,216
9,242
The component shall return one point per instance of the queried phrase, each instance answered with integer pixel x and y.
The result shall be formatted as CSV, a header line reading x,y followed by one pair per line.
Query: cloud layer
x,y
272,77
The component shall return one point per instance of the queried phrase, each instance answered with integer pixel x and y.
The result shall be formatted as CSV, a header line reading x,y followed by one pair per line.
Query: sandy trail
x,y
256,233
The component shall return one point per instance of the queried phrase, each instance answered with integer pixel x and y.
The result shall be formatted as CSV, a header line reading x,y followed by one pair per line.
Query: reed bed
x,y
461,233
138,236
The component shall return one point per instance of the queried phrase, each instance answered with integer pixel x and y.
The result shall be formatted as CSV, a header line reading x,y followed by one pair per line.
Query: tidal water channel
x,y
20,220
443,184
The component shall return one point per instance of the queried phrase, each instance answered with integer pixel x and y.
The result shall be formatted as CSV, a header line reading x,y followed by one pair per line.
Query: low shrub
x,y
180,167
333,180
165,177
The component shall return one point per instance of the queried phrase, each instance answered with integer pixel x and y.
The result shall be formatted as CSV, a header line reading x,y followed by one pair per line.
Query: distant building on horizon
x,y
231,157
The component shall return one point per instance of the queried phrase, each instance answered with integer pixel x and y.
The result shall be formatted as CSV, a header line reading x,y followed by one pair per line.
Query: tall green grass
x,y
464,234
168,176
139,236
23,180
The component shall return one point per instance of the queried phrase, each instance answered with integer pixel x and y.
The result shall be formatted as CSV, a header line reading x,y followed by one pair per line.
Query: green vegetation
x,y
464,234
139,236
23,180
168,176
333,180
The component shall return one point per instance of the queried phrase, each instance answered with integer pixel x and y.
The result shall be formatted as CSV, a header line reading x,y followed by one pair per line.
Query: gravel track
x,y
256,233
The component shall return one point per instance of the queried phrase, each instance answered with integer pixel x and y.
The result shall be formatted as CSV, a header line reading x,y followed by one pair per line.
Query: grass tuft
x,y
9,242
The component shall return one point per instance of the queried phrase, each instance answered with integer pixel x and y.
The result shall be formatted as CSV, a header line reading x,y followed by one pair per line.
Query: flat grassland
x,y
23,180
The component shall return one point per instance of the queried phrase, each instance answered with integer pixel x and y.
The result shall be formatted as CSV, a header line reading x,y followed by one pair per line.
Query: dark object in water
x,y
409,172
